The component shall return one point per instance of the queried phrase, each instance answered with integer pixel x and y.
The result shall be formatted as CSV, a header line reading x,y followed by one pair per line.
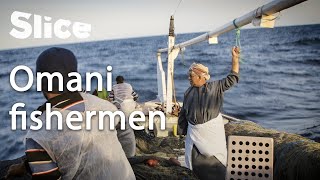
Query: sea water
x,y
279,85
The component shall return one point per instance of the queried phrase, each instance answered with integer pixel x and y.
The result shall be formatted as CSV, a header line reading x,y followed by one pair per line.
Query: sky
x,y
119,19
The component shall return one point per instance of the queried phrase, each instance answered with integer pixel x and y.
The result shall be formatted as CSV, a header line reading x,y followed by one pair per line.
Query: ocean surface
x,y
279,84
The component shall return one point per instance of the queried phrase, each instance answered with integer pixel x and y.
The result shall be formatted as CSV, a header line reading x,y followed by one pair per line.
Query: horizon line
x,y
136,37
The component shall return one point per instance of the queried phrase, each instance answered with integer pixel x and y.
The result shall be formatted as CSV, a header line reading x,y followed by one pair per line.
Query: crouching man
x,y
73,154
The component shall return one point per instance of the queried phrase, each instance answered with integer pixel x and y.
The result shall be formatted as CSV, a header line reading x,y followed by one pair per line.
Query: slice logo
x,y
44,27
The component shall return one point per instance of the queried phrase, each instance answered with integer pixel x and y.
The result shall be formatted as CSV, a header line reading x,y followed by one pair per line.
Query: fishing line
x,y
181,49
177,7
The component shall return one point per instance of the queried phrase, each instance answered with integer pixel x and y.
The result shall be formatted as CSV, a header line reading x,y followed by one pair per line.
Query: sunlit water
x,y
279,84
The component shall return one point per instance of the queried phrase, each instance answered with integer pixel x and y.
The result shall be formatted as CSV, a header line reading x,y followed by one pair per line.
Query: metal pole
x,y
267,9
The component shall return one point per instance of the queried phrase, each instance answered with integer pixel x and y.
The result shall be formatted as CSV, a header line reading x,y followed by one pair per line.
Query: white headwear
x,y
200,70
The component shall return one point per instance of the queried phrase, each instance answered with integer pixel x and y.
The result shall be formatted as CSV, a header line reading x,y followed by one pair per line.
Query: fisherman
x,y
201,121
121,92
69,154
124,97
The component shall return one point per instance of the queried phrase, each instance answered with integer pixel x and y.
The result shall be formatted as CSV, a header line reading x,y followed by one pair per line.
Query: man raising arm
x,y
200,119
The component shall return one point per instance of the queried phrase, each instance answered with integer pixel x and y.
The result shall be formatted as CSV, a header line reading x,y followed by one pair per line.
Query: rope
x,y
177,7
257,15
238,43
176,108
173,89
234,23
182,56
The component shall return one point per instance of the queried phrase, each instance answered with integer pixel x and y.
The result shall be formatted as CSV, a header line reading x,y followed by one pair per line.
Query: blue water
x,y
279,85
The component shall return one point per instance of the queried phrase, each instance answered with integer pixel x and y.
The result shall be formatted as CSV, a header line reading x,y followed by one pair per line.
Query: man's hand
x,y
235,52
235,58
16,170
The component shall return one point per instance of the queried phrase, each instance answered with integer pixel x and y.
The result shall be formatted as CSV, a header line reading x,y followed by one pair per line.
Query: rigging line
x,y
182,56
177,7
173,89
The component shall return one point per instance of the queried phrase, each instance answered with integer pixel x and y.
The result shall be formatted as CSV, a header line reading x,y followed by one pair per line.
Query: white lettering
x,y
49,114
61,27
33,117
27,28
48,27
37,24
89,115
76,81
14,114
71,119
133,118
109,78
81,30
49,79
162,119
57,28
111,119
88,80
13,78
75,84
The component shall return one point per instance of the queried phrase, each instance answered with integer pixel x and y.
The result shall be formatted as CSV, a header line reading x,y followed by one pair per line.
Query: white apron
x,y
209,138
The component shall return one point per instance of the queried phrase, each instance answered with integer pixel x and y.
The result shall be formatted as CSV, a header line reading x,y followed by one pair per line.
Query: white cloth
x,y
128,106
126,137
209,138
85,154
122,91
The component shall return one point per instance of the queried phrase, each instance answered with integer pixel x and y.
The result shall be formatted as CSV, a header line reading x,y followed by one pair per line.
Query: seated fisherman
x,y
121,92
70,154
200,119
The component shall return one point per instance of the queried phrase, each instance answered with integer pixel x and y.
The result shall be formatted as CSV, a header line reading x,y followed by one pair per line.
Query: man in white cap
x,y
200,119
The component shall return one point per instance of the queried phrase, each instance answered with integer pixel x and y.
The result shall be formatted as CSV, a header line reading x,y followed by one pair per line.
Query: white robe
x,y
85,154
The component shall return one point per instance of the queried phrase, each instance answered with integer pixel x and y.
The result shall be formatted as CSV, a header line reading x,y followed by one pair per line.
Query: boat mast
x,y
172,55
